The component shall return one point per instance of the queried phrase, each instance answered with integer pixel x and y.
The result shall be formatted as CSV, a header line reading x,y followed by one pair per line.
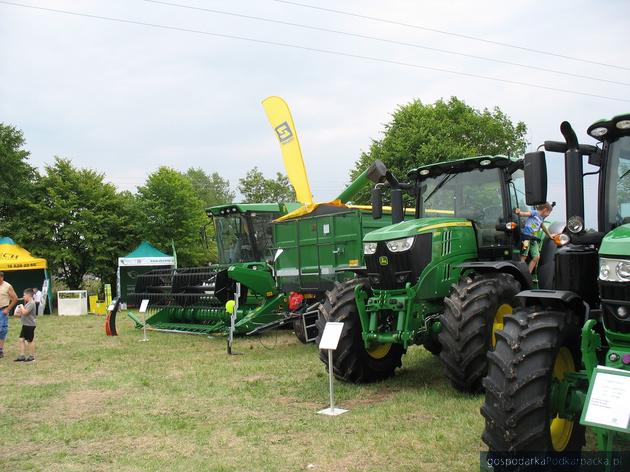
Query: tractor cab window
x,y
474,195
233,240
618,183
517,191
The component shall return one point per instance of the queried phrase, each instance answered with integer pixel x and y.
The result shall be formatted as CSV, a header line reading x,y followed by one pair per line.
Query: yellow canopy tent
x,y
22,270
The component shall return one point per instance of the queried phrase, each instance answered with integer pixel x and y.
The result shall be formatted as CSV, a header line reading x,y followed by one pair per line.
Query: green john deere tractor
x,y
444,279
553,345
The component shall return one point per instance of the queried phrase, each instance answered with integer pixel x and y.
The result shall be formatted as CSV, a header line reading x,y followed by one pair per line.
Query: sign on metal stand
x,y
233,309
143,308
330,340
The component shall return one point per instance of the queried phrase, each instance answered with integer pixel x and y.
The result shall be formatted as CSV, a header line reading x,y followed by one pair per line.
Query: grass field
x,y
178,402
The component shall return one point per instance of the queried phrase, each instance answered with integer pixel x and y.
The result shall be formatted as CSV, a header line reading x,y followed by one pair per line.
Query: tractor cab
x,y
243,231
483,190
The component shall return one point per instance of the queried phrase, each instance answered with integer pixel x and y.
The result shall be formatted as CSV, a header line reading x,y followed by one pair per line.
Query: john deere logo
x,y
383,260
283,130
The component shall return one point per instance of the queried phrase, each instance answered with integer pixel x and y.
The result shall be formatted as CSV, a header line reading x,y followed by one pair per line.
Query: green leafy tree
x,y
17,178
79,223
256,188
210,189
421,134
171,211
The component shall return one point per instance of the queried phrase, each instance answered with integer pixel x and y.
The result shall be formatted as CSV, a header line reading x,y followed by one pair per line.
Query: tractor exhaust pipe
x,y
573,172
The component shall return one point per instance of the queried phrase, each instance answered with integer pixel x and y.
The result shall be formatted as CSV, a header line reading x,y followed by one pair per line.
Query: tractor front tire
x,y
535,349
352,362
472,313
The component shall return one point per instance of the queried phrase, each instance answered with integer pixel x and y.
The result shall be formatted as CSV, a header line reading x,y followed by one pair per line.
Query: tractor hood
x,y
405,229
617,242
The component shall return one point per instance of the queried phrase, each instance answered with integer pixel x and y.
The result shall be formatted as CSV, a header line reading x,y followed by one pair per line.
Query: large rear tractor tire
x,y
351,361
536,347
473,312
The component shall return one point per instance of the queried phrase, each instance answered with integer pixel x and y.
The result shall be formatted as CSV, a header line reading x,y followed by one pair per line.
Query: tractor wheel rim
x,y
379,351
561,429
498,321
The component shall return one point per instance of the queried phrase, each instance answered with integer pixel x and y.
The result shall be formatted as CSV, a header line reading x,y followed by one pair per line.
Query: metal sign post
x,y
330,340
230,340
143,308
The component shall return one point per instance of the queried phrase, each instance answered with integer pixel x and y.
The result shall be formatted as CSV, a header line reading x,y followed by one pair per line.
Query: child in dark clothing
x,y
27,316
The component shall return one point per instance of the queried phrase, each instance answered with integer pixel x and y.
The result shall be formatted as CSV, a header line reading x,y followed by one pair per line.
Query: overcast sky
x,y
126,98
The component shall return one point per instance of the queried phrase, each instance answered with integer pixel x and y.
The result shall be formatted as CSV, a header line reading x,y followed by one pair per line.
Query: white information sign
x,y
329,342
143,305
608,403
331,335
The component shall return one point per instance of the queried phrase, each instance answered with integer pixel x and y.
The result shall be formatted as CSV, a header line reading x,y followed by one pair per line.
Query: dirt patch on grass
x,y
370,398
79,404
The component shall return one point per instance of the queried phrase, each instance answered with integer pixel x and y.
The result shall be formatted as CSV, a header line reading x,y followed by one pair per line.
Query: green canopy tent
x,y
22,270
142,259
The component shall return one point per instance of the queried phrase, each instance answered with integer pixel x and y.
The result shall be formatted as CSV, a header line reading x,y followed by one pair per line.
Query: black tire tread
x,y
351,362
519,378
467,323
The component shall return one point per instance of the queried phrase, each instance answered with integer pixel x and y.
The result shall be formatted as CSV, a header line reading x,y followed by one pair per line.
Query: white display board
x,y
330,340
331,335
143,305
607,402
72,302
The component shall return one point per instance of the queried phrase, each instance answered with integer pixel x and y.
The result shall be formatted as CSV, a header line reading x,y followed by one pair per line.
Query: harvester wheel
x,y
535,348
352,362
473,311
298,329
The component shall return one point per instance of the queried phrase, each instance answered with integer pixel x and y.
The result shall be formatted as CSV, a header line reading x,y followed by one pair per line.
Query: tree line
x,y
82,224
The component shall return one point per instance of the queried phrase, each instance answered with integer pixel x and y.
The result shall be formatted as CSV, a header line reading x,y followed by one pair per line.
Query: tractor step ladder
x,y
309,318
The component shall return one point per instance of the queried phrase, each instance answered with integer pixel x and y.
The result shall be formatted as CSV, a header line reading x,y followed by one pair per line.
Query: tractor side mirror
x,y
535,167
595,158
377,203
398,212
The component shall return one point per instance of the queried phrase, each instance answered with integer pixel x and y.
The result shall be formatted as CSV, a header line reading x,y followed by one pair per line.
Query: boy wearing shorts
x,y
27,314
530,244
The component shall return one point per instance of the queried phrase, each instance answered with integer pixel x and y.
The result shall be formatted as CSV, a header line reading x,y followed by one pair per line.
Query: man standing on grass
x,y
37,298
27,314
8,299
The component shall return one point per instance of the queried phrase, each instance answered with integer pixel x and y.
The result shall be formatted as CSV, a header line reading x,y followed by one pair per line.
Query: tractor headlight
x,y
598,132
623,270
400,245
575,224
614,270
623,124
369,248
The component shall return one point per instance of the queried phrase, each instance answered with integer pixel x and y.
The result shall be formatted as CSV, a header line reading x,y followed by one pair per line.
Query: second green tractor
x,y
444,279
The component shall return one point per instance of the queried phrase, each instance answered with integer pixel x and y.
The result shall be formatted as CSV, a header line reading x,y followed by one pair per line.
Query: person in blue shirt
x,y
530,244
